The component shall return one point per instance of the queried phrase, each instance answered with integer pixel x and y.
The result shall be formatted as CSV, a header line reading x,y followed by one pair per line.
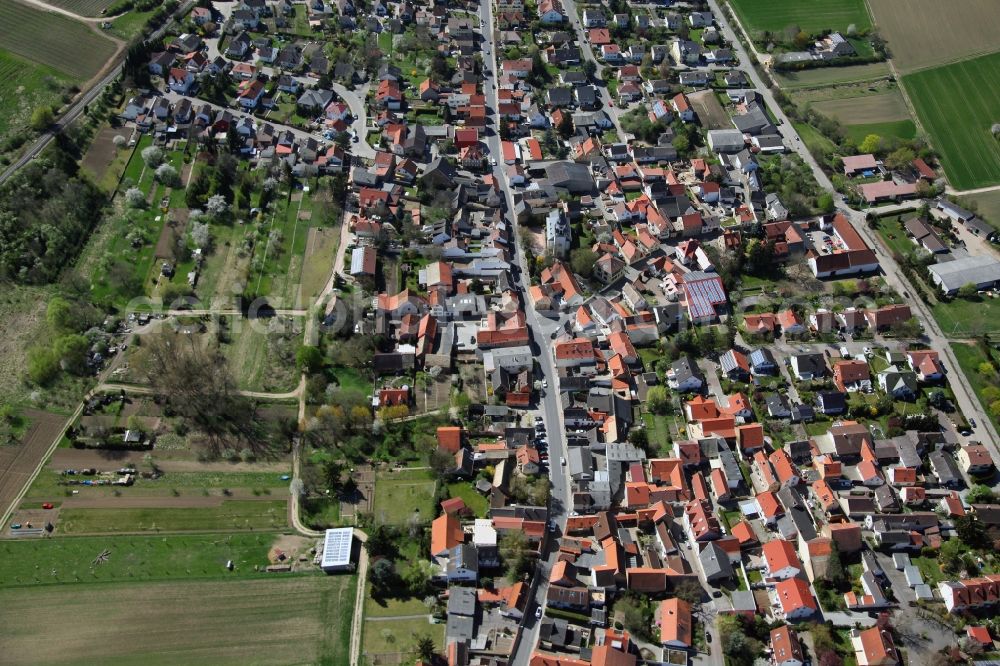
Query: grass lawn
x,y
895,129
130,24
401,495
398,636
187,484
969,357
962,318
658,431
292,619
263,360
649,356
817,428
229,515
826,76
890,229
930,570
349,379
815,141
321,512
24,87
472,497
957,105
776,15
132,558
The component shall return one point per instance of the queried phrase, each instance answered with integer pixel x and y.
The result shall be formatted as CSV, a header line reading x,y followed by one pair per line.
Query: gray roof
x,y
978,270
715,562
462,601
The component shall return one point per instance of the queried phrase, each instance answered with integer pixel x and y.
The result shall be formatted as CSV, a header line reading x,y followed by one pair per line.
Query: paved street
x,y
540,329
569,7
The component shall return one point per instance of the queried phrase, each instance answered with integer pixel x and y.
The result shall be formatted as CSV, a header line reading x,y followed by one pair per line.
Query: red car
x,y
47,505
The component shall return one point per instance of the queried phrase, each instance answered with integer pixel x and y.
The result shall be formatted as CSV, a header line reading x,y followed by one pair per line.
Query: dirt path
x,y
359,599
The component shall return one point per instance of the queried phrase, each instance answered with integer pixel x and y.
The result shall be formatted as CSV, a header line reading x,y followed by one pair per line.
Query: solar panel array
x,y
337,548
703,295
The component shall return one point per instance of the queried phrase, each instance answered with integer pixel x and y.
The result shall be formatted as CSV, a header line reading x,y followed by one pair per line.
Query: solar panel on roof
x,y
337,547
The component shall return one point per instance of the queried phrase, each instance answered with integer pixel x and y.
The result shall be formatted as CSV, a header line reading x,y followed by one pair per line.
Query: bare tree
x,y
198,385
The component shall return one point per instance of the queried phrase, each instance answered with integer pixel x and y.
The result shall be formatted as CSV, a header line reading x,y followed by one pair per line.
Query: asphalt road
x,y
540,329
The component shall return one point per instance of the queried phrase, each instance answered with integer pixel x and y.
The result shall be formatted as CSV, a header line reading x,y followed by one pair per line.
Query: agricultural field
x,y
28,563
987,205
404,494
18,462
197,515
827,76
276,269
926,33
883,113
175,487
82,7
957,106
298,619
53,40
758,16
961,318
104,161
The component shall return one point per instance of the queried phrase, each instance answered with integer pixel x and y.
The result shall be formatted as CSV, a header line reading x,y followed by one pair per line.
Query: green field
x,y
186,484
399,496
969,357
53,40
130,24
963,318
132,558
957,105
899,129
987,205
266,514
776,15
25,86
262,354
273,620
82,7
825,76
399,636
815,141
